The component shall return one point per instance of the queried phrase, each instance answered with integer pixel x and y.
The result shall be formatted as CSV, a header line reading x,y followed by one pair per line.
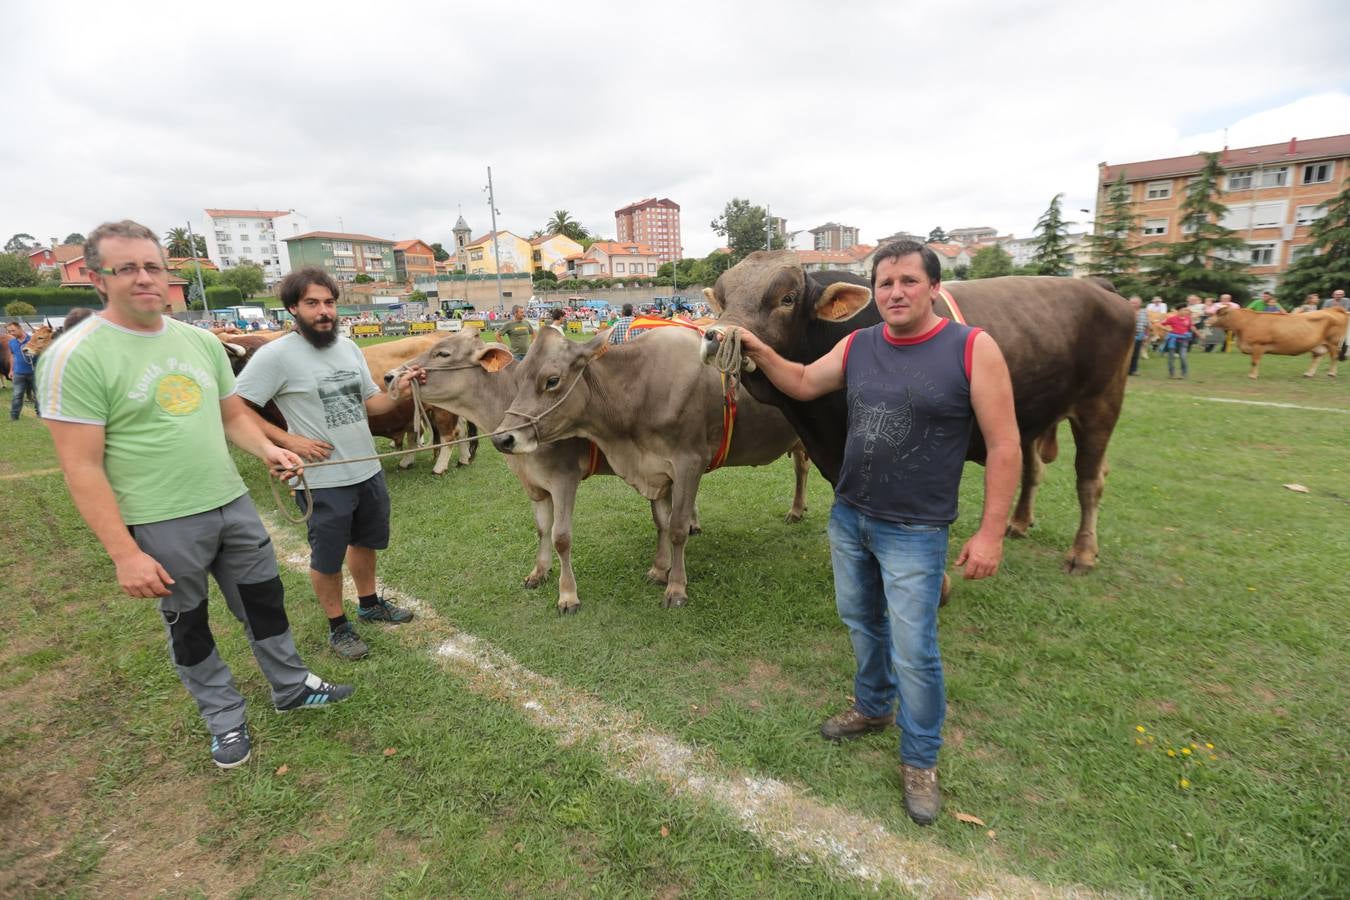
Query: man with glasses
x,y
139,407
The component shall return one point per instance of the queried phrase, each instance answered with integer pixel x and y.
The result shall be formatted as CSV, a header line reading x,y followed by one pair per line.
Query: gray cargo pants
x,y
231,544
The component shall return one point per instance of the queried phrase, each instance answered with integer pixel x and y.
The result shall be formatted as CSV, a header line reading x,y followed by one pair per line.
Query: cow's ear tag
x,y
842,301
494,359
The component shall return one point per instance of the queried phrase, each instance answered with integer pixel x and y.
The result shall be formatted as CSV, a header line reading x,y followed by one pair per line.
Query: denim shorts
x,y
349,515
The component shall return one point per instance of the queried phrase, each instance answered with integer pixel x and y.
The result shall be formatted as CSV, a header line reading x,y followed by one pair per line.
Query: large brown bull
x,y
1067,343
1320,333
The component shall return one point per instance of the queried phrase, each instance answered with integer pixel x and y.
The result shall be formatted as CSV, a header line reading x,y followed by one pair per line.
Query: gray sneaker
x,y
923,797
346,643
232,748
384,611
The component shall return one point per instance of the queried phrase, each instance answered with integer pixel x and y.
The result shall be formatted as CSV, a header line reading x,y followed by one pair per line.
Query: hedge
x,y
220,296
52,297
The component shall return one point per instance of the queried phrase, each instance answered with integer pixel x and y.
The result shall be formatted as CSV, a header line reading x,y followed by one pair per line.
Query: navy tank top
x,y
909,421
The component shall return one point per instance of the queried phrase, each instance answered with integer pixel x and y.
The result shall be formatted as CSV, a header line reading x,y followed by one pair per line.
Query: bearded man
x,y
320,381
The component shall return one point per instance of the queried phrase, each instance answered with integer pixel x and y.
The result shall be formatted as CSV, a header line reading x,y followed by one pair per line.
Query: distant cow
x,y
397,425
1319,333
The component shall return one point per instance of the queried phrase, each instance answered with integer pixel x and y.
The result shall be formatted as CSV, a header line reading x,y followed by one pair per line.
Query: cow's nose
x,y
504,442
388,378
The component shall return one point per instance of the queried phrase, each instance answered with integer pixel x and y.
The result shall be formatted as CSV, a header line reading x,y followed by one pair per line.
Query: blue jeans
x,y
887,582
23,384
1177,346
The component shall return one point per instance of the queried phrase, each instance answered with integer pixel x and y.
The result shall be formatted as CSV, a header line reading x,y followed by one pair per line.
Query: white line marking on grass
x,y
35,473
791,824
1279,405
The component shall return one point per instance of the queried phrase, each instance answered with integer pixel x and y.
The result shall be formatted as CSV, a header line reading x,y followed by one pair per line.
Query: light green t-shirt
x,y
157,396
518,334
322,394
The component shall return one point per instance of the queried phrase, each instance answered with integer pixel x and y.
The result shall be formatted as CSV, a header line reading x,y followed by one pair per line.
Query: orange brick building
x,y
655,223
1272,193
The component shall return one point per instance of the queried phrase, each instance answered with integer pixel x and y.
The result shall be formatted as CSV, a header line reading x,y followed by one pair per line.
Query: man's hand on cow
x,y
141,575
981,555
405,378
309,449
282,463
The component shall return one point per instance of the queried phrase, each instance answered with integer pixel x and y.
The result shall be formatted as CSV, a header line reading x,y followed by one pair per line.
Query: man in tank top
x,y
917,383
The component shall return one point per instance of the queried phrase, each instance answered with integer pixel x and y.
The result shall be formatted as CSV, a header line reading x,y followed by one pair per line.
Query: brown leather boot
x,y
923,797
850,724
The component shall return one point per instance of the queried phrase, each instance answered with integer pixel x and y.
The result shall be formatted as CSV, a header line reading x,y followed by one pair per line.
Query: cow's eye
x,y
443,354
553,382
789,298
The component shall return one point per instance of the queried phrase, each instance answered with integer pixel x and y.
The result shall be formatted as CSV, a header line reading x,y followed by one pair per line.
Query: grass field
x,y
1219,616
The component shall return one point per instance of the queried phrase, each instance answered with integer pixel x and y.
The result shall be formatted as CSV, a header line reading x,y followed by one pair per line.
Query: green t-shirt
x,y
517,334
157,396
322,394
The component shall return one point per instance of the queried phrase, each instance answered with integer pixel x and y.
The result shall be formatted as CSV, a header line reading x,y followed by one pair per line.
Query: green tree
x,y
1112,256
544,276
1052,256
563,223
439,252
200,243
177,242
50,278
417,297
1211,259
247,277
74,238
990,262
19,308
16,272
1327,265
21,243
937,236
743,225
362,278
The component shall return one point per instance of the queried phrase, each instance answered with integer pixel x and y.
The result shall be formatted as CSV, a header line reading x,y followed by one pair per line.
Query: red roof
x,y
338,236
948,250
1266,154
408,245
247,213
814,257
623,248
62,253
177,262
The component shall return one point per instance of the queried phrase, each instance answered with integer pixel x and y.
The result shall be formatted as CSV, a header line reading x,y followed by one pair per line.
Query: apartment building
x,y
1273,193
614,259
481,254
653,223
252,235
413,259
980,235
344,256
833,236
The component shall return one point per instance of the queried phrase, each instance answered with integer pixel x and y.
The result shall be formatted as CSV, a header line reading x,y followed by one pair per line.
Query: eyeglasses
x,y
129,270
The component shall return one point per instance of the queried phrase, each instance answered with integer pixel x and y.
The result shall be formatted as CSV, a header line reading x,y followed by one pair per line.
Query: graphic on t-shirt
x,y
178,395
873,423
340,393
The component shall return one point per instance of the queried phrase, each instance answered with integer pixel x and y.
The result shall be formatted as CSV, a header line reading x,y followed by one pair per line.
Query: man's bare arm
x,y
79,448
991,396
799,381
307,448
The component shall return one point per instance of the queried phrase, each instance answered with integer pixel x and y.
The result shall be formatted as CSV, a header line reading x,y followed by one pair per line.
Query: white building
x,y
252,235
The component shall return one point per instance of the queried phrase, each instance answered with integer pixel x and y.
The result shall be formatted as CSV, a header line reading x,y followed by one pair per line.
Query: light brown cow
x,y
479,381
398,425
1256,333
655,411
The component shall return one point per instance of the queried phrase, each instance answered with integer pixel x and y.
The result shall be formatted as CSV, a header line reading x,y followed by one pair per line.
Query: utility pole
x,y
496,249
201,288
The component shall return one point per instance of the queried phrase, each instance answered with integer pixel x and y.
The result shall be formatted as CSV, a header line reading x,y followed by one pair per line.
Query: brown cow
x,y
479,381
383,358
1257,333
1067,343
657,414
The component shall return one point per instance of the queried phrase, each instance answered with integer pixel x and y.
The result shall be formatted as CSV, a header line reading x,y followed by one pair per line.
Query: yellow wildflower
x,y
1184,784
1209,746
1171,752
1186,751
1140,728
1139,741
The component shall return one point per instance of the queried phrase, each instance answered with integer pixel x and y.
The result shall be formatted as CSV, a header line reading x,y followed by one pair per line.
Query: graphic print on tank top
x,y
340,393
879,423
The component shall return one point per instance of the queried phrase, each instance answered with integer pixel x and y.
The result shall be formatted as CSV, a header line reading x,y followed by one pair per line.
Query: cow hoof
x,y
654,576
674,601
1018,529
569,609
793,517
439,471
534,581
1075,565
695,529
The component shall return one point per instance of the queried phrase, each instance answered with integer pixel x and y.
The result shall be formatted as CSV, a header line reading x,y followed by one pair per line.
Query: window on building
x,y
1262,254
1155,226
1240,181
1299,252
1317,173
1278,177
246,250
618,267
223,236
651,267
1306,215
342,247
475,255
373,249
1268,215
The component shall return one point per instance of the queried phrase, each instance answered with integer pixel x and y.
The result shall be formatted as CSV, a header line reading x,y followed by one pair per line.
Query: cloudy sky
x,y
383,118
